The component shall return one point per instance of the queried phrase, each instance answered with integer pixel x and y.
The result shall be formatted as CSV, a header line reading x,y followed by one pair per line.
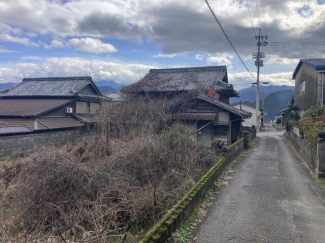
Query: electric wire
x,y
258,13
224,32
263,17
250,17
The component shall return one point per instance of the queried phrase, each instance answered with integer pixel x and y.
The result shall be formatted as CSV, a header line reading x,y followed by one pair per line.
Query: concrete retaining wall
x,y
178,214
314,157
14,144
248,137
321,155
307,153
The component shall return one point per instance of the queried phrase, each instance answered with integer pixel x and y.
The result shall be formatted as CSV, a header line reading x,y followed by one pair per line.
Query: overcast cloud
x,y
179,28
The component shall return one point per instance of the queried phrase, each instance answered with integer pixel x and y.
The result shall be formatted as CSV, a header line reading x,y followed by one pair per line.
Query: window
x,y
302,86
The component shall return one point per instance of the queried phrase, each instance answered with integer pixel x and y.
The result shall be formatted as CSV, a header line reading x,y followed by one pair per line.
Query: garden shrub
x,y
293,115
312,123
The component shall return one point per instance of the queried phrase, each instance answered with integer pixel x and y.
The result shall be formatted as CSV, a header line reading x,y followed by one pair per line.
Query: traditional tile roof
x,y
182,79
29,107
57,86
203,96
317,63
242,113
115,96
43,123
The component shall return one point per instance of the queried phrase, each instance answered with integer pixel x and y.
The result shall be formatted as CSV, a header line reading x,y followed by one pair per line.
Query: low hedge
x,y
168,219
231,147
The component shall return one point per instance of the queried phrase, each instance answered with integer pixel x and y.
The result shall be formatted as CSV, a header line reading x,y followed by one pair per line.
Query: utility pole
x,y
260,41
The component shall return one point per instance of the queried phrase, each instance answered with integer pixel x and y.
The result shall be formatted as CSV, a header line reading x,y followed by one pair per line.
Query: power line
x,y
258,13
250,16
224,32
263,16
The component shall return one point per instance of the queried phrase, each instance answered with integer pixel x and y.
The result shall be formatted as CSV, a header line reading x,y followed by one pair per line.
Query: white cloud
x,y
20,40
4,50
281,60
34,58
220,59
244,79
91,45
160,55
199,57
124,73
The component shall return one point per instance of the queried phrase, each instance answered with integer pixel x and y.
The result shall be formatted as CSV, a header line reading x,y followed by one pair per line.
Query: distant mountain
x,y
277,101
110,83
4,86
105,89
248,94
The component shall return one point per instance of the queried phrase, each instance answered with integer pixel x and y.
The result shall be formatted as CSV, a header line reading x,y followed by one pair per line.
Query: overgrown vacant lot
x,y
114,187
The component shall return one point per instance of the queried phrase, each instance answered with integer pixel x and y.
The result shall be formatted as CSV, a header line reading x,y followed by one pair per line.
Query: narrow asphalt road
x,y
271,197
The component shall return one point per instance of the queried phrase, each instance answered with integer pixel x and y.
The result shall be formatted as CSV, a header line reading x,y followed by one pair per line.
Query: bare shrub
x,y
137,115
136,168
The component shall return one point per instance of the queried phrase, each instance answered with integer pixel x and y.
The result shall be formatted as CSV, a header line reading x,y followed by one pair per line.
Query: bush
x,y
82,192
278,120
313,123
293,115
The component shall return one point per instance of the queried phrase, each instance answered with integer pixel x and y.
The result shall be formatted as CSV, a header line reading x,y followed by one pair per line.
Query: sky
x,y
121,40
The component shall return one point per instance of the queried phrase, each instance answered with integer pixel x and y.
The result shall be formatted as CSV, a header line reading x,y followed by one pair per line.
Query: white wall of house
x,y
251,121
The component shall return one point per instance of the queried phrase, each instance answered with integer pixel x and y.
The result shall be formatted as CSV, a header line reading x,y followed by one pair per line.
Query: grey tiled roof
x,y
202,96
317,63
242,113
59,86
182,79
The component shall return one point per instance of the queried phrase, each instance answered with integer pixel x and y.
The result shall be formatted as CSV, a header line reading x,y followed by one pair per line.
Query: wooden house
x,y
309,83
201,97
49,104
175,81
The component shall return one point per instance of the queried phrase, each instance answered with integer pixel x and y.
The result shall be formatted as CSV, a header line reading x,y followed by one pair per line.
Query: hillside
x,y
110,83
248,94
105,89
277,101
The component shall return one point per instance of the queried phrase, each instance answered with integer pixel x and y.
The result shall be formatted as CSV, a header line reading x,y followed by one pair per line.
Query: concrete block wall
x,y
15,144
308,154
321,155
248,137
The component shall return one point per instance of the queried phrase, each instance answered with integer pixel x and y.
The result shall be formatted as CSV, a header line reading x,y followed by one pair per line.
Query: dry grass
x,y
115,186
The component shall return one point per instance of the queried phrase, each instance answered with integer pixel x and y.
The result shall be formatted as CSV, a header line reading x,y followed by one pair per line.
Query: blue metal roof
x,y
317,63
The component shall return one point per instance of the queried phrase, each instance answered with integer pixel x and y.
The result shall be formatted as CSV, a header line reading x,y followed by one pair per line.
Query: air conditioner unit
x,y
68,110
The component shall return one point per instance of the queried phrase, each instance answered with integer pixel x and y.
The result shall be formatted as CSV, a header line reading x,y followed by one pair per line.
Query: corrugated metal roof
x,y
29,107
317,63
88,118
57,86
43,123
182,79
13,129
